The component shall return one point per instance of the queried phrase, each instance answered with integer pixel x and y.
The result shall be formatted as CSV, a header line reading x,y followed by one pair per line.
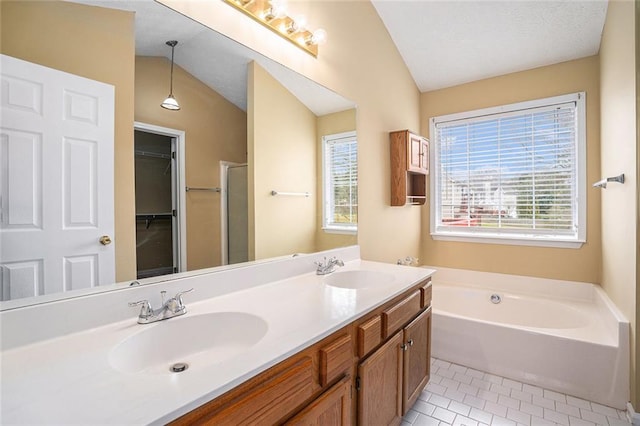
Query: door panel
x,y
21,155
79,169
80,272
417,358
380,393
21,279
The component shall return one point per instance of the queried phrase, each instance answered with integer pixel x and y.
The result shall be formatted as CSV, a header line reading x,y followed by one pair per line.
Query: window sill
x,y
331,230
506,240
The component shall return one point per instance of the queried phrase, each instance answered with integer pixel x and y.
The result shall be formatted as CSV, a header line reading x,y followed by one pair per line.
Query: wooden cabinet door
x,y
424,155
417,358
380,390
415,153
332,408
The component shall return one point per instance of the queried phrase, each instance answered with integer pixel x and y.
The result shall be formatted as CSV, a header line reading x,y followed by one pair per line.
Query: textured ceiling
x,y
214,59
446,43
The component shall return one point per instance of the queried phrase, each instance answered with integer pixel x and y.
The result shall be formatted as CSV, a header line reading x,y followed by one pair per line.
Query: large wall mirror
x,y
246,124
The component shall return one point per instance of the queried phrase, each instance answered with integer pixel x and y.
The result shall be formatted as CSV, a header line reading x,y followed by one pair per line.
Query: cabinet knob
x,y
404,347
410,342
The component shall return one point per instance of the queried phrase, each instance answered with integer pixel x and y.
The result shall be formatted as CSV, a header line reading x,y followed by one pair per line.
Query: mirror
x,y
212,73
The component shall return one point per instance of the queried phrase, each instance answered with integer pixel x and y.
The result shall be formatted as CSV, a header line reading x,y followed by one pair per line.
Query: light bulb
x,y
299,22
277,10
319,36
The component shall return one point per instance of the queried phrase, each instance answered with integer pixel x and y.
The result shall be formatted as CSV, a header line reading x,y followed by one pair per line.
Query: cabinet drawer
x,y
267,402
335,359
426,292
369,335
399,314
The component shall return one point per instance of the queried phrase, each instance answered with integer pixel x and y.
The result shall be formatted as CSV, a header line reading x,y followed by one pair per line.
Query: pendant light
x,y
171,102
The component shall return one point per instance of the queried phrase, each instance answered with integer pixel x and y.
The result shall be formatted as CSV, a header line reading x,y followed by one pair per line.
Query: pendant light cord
x,y
171,82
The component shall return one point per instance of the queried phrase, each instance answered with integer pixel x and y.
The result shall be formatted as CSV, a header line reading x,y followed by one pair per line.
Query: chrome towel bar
x,y
291,194
191,188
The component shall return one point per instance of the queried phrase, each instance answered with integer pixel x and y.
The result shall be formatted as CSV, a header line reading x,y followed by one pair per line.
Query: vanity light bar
x,y
271,14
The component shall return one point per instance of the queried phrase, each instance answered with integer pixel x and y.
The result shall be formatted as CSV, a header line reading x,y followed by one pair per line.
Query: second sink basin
x,y
195,340
358,279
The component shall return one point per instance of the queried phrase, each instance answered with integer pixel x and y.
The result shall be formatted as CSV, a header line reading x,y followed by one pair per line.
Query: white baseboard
x,y
632,416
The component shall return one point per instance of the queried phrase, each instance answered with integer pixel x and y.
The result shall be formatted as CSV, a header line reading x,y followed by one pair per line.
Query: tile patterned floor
x,y
457,395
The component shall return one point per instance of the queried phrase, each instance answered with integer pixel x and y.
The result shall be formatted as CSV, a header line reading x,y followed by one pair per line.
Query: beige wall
x,y
95,43
215,130
360,62
339,122
618,154
282,157
569,264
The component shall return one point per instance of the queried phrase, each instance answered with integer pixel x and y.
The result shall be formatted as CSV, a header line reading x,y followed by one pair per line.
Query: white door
x,y
56,181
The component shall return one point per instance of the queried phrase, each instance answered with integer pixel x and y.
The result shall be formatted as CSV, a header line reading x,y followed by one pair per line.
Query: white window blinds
x,y
511,173
340,182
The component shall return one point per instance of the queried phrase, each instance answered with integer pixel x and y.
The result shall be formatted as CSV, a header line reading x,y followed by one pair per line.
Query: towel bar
x,y
191,188
292,194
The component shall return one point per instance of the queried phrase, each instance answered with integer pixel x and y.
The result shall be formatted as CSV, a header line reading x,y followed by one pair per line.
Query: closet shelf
x,y
150,217
153,215
153,155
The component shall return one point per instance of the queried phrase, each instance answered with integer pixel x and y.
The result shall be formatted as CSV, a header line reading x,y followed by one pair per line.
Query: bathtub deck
x,y
458,395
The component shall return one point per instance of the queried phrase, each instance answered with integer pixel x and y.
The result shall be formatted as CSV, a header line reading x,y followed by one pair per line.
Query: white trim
x,y
579,98
518,106
180,183
516,241
345,231
581,165
348,229
224,224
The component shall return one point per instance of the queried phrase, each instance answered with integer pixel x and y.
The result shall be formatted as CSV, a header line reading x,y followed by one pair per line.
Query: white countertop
x,y
69,379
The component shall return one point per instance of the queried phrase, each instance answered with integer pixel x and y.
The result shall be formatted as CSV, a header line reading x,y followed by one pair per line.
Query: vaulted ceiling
x,y
448,42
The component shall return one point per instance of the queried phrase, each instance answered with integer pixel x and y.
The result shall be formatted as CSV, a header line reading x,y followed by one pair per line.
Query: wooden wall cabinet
x,y
384,357
409,168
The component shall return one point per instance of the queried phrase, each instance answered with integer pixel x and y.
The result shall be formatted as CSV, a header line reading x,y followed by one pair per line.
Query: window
x,y
511,175
340,183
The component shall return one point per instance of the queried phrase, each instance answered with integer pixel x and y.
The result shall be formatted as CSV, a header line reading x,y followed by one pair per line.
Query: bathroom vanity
x,y
266,343
381,357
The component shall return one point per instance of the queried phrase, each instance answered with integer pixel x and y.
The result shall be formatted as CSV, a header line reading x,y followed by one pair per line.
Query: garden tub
x,y
560,335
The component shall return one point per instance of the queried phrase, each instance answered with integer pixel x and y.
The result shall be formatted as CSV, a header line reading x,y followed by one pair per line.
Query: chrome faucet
x,y
328,266
169,309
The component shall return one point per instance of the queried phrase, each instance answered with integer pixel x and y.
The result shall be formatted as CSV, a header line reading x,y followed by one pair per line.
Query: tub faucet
x,y
171,308
328,266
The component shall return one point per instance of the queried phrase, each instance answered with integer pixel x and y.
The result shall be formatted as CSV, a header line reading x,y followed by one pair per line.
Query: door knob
x,y
105,240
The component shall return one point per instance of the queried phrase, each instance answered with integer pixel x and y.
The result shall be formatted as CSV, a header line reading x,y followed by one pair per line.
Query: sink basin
x,y
195,340
358,279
